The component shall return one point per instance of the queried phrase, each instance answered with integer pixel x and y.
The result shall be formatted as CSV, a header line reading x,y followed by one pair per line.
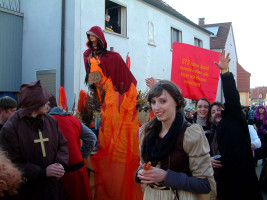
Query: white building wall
x,y
42,40
229,48
146,60
41,37
69,52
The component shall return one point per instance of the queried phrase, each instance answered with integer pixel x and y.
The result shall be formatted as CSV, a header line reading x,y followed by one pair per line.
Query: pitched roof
x,y
219,41
165,7
259,92
243,79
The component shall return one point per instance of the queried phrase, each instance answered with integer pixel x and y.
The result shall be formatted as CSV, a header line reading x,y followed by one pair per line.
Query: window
x,y
214,30
47,79
198,42
151,33
176,35
116,16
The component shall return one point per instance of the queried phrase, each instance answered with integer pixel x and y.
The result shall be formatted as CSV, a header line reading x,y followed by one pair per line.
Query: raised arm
x,y
231,94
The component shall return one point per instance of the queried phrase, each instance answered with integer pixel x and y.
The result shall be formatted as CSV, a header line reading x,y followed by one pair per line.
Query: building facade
x,y
222,39
259,95
54,37
243,85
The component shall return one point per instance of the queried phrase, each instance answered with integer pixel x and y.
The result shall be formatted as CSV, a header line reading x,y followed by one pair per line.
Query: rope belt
x,y
159,186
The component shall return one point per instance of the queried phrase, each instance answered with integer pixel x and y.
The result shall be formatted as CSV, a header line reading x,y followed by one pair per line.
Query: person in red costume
x,y
114,89
75,181
104,67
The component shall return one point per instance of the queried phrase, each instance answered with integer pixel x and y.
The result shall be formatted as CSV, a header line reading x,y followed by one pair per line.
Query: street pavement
x,y
258,171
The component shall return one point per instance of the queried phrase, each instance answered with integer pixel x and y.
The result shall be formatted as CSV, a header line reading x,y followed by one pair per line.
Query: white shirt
x,y
254,136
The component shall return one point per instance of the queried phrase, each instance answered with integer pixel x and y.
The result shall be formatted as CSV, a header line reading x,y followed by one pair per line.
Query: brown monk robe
x,y
34,143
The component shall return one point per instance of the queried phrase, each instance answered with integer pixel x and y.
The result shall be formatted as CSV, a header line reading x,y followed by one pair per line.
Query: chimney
x,y
201,21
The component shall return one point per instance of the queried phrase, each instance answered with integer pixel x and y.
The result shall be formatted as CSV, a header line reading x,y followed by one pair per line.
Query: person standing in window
x,y
107,23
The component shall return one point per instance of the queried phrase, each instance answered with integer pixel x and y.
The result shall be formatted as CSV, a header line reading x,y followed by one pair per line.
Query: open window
x,y
116,16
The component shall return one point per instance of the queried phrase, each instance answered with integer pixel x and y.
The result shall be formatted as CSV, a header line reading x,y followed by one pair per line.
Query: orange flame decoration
x,y
117,158
62,99
82,101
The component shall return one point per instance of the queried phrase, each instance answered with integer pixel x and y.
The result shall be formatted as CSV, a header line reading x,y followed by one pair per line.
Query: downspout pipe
x,y
62,49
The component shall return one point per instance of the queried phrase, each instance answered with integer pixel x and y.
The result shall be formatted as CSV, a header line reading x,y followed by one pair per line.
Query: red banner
x,y
194,71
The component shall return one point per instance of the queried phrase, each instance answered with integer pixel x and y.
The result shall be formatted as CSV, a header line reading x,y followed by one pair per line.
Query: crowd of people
x,y
208,152
255,117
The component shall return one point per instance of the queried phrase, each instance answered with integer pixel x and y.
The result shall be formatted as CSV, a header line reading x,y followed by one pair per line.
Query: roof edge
x,y
176,14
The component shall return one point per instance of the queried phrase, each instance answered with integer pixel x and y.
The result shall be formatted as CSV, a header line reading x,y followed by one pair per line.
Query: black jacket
x,y
238,179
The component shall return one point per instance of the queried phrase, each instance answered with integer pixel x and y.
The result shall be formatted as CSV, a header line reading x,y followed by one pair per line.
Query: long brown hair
x,y
157,91
208,122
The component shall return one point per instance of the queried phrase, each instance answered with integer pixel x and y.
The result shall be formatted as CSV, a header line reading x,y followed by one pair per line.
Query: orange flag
x,y
82,101
128,61
62,99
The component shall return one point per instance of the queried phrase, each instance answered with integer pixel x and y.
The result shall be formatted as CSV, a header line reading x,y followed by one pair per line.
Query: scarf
x,y
155,150
202,121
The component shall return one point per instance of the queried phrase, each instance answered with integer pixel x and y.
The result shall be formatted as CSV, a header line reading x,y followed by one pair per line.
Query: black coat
x,y
238,179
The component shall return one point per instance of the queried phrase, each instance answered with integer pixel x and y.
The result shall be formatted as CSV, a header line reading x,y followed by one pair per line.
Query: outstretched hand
x,y
223,61
151,81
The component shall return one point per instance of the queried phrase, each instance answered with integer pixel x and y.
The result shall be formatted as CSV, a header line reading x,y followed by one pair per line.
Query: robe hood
x,y
112,64
31,97
97,31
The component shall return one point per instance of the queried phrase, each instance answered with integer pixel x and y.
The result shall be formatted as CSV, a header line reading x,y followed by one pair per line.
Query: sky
x,y
249,22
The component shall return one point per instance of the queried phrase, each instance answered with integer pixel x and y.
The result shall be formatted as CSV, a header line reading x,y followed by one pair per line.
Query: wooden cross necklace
x,y
42,140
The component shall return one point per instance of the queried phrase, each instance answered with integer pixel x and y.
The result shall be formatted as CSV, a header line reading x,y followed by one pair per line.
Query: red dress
x,y
75,183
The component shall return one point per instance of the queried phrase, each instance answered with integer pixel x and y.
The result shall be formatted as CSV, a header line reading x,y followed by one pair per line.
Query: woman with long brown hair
x,y
202,115
178,151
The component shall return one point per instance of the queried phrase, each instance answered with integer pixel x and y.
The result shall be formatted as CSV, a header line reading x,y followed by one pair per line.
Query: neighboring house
x,y
259,95
11,27
54,37
243,85
222,39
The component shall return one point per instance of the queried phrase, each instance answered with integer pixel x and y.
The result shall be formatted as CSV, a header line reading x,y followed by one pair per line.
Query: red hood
x,y
97,31
112,64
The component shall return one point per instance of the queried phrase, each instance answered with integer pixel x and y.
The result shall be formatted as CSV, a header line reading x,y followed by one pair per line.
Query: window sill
x,y
117,34
152,44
